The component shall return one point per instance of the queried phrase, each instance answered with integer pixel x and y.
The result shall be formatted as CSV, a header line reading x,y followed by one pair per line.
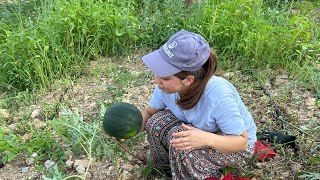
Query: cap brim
x,y
159,66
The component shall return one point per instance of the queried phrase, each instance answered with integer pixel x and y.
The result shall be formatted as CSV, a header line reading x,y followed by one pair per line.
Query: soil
x,y
297,107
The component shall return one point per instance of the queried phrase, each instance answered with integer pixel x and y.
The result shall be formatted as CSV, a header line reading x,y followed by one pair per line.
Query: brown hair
x,y
194,92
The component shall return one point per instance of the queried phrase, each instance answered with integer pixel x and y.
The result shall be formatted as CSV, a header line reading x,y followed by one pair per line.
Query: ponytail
x,y
201,78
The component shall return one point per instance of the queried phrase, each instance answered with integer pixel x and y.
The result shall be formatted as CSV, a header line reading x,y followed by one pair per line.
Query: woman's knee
x,y
158,120
174,130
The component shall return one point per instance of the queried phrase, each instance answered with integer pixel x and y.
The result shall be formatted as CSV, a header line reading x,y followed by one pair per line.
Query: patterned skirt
x,y
196,163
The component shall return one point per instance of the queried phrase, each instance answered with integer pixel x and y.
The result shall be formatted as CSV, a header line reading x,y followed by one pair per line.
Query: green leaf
x,y
2,143
313,130
11,156
119,32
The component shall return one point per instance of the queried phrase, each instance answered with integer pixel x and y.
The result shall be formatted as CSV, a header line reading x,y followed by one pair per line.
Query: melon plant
x,y
122,120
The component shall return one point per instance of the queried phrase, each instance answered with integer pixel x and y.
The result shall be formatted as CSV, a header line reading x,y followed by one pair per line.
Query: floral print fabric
x,y
196,163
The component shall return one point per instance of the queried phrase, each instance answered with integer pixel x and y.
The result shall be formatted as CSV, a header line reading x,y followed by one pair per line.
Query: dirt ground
x,y
297,107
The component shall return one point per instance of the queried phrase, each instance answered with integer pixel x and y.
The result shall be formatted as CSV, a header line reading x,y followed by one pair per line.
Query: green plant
x,y
44,143
150,170
10,146
310,175
54,174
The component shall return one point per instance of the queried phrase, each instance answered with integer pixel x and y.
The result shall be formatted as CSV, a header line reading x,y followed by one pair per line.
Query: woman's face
x,y
170,84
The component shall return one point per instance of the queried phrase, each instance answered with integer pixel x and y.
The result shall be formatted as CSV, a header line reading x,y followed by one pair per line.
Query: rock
x,y
24,169
88,175
81,162
26,137
38,123
29,161
130,158
128,167
34,155
285,175
228,75
48,164
281,79
310,103
4,114
310,114
304,127
125,175
261,165
69,163
35,113
139,175
296,167
68,153
80,169
267,86
110,170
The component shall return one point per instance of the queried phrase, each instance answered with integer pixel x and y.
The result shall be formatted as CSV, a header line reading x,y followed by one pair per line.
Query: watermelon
x,y
122,120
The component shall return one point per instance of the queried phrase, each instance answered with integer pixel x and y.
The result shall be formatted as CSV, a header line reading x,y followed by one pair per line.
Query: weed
x,y
310,175
54,174
150,170
64,35
10,146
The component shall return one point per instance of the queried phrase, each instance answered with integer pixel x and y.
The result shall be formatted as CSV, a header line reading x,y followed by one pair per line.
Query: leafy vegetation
x,y
45,41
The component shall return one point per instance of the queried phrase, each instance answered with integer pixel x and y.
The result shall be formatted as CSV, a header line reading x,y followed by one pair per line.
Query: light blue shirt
x,y
220,108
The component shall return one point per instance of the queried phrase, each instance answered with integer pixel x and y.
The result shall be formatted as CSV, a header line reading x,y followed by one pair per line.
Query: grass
x,y
60,37
48,46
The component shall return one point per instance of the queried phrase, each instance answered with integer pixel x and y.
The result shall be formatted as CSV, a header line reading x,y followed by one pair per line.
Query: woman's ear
x,y
188,80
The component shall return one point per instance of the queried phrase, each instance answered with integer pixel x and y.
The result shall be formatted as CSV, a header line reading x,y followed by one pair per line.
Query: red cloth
x,y
265,150
229,177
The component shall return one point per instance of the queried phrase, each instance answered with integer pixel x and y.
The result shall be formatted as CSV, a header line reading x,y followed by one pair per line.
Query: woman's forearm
x,y
146,115
228,143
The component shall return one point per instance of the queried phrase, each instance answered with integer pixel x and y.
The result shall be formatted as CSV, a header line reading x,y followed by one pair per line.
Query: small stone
x,y
310,114
139,175
310,103
128,167
29,161
88,175
126,175
281,79
4,114
34,155
110,170
80,169
38,123
285,175
296,167
68,153
48,164
26,137
304,127
12,126
130,158
229,75
283,76
80,162
24,169
267,85
261,165
69,163
35,113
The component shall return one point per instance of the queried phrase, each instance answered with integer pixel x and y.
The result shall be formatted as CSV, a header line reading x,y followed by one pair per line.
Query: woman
x,y
196,122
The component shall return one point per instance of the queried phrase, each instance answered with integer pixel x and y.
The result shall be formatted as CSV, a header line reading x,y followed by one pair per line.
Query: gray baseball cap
x,y
184,51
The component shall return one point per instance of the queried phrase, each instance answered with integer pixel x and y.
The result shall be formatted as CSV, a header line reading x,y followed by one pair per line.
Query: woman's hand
x,y
190,138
